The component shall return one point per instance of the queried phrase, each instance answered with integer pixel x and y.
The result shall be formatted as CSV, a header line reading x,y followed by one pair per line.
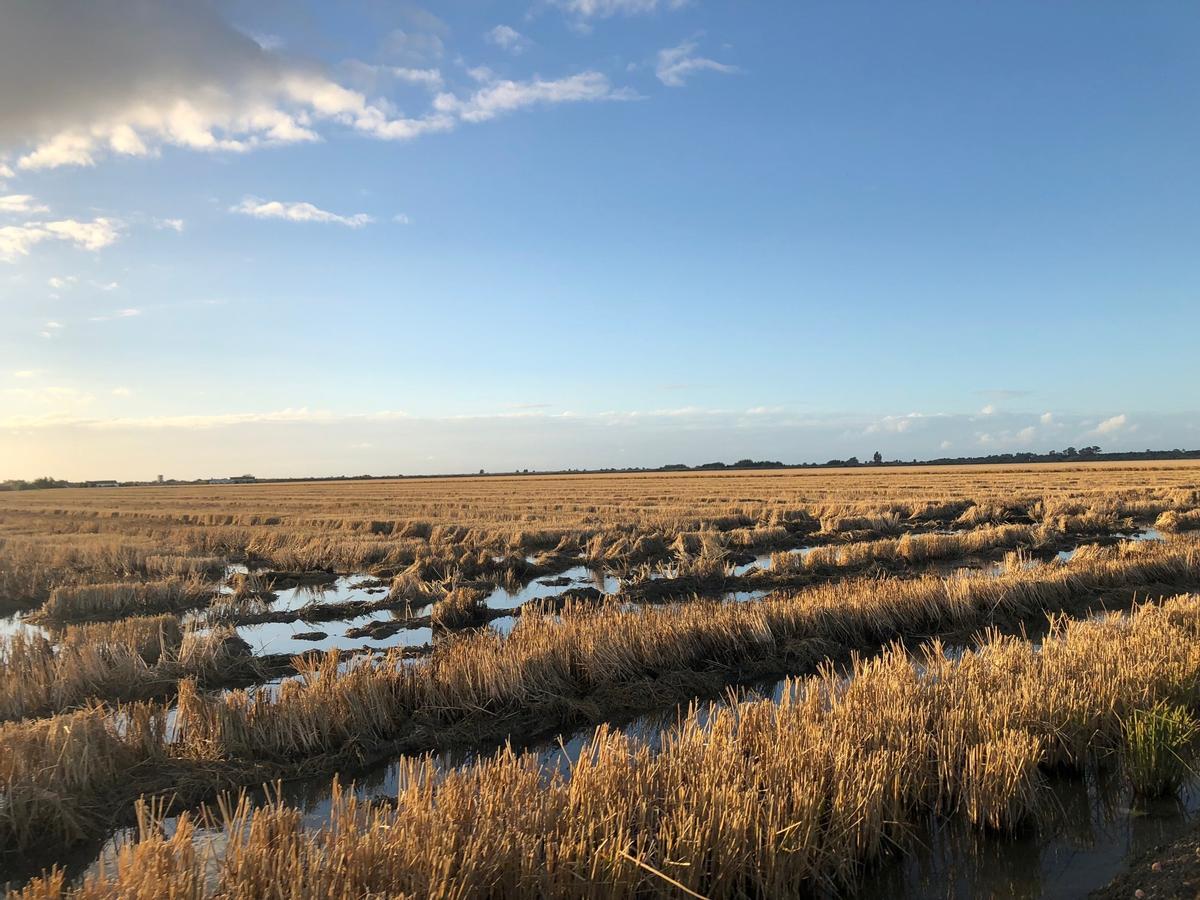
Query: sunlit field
x,y
729,684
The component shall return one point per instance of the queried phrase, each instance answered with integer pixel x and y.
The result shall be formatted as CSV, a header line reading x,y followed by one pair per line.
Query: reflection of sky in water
x,y
580,577
280,637
344,588
16,624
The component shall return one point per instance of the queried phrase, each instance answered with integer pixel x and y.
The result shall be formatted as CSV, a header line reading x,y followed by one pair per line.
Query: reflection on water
x,y
1090,832
281,637
576,577
16,624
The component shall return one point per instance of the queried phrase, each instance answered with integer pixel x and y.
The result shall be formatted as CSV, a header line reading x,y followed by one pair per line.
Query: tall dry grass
x,y
759,799
120,599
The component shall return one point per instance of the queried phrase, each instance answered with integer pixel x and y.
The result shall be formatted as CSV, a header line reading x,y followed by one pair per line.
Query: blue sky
x,y
378,237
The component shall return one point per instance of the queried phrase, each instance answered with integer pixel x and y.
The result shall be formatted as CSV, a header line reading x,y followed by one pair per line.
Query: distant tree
x,y
852,461
877,458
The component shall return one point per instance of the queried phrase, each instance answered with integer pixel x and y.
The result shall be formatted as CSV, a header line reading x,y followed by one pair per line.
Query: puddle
x,y
577,577
1091,837
743,596
16,624
280,637
504,625
345,587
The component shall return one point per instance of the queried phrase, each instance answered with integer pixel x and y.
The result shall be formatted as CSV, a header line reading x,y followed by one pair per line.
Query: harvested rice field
x,y
871,682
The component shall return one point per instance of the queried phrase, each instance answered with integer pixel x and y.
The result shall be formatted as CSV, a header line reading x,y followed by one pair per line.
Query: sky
x,y
368,237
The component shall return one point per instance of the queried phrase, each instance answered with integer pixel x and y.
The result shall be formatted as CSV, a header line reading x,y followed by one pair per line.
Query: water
x,y
280,637
16,624
1093,829
578,577
341,590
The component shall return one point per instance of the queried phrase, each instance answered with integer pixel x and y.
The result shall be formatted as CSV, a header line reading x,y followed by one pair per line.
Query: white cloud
x,y
129,77
676,64
603,9
169,225
501,96
401,219
60,282
416,48
430,78
297,212
1112,425
508,38
20,203
25,373
1046,418
17,240
119,314
988,410
107,287
122,392
1027,434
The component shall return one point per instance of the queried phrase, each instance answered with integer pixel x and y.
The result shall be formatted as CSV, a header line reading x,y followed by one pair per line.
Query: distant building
x,y
160,479
101,484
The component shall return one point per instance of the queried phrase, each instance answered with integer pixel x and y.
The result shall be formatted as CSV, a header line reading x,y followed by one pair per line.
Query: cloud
x,y
25,373
1112,425
989,410
169,225
17,240
1027,434
508,38
297,212
401,219
676,64
20,203
416,48
59,432
119,314
122,392
129,77
501,96
1046,418
603,9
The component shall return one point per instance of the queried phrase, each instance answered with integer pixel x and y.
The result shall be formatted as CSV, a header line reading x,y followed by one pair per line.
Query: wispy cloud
x,y
297,212
501,96
20,203
508,38
128,313
603,9
677,64
157,75
17,241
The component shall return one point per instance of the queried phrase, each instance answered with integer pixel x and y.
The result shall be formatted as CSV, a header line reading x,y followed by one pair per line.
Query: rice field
x,y
943,646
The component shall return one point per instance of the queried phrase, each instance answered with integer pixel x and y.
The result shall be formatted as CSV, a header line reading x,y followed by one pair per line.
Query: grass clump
x,y
1158,748
121,599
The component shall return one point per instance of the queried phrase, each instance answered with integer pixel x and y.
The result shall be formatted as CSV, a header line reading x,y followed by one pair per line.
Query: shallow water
x,y
16,624
280,637
580,577
1091,833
